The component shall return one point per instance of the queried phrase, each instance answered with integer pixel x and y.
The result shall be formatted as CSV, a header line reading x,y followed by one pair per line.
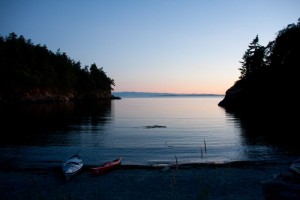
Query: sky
x,y
176,46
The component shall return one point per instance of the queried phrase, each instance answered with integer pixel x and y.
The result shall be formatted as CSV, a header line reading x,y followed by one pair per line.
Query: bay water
x,y
143,131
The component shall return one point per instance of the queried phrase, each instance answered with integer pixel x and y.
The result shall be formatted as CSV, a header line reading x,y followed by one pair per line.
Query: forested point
x,y
269,77
32,73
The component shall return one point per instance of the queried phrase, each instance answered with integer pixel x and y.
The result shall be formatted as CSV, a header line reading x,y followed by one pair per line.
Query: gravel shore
x,y
237,180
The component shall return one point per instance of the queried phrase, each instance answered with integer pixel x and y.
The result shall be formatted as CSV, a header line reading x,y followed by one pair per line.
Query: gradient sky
x,y
179,46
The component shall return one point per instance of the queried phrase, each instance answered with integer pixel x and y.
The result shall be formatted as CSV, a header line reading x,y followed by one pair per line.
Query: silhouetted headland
x,y
268,83
33,74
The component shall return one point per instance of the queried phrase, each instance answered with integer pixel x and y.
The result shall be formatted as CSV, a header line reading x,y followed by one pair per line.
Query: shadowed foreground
x,y
241,180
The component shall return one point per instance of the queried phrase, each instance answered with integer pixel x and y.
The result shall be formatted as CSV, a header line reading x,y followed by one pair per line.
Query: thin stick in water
x,y
201,152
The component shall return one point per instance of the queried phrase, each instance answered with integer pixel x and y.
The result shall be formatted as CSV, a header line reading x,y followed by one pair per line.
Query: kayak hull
x,y
107,166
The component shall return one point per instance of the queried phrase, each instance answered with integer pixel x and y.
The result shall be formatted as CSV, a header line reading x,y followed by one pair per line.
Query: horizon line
x,y
169,93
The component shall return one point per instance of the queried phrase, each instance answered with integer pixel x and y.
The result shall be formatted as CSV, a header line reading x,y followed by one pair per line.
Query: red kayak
x,y
106,166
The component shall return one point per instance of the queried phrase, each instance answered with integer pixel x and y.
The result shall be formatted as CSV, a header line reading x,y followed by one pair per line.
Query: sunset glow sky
x,y
179,46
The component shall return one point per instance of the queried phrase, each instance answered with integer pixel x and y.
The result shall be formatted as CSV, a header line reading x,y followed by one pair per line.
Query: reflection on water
x,y
195,130
47,124
266,129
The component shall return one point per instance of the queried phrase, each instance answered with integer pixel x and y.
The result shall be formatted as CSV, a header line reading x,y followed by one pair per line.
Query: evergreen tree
x,y
253,60
27,69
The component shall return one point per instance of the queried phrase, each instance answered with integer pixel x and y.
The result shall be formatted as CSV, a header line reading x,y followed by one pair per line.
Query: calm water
x,y
194,129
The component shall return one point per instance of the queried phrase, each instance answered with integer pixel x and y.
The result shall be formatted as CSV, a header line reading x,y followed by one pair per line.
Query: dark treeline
x,y
269,74
31,72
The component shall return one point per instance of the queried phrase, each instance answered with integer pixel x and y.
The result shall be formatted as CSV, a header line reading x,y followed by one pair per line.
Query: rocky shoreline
x,y
236,180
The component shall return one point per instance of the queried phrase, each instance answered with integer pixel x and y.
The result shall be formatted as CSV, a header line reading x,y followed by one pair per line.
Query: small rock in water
x,y
156,126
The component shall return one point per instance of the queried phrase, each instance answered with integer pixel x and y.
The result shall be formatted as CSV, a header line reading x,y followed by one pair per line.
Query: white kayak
x,y
72,166
295,166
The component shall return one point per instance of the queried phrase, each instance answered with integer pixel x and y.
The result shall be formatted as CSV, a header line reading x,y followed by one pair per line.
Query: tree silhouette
x,y
253,60
28,69
284,58
269,75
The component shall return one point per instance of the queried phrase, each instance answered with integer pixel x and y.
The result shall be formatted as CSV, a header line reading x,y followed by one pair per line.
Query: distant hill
x,y
157,94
